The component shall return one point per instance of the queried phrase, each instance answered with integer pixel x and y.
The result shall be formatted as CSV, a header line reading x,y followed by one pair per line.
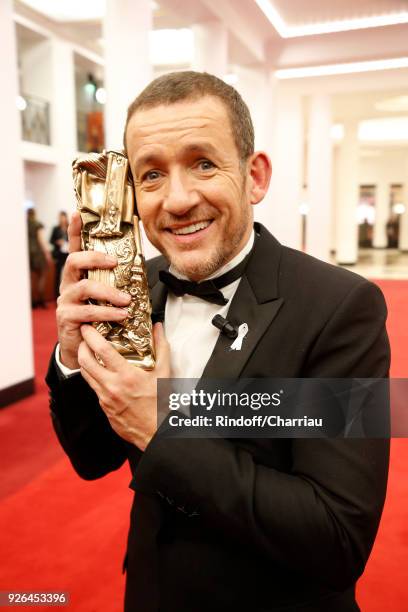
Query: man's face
x,y
191,192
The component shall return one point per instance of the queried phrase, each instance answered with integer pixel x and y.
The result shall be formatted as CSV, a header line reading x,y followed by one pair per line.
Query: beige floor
x,y
382,263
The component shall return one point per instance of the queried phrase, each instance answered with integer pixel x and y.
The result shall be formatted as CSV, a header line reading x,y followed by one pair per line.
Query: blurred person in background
x,y
40,258
392,229
59,241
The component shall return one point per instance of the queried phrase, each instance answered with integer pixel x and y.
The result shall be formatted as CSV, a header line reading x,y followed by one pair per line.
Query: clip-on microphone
x,y
225,327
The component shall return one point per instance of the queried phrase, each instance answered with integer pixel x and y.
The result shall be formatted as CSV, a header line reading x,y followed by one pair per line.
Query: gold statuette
x,y
105,194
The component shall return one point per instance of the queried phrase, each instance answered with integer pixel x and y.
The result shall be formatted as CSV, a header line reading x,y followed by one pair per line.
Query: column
x,y
253,85
16,341
211,48
319,178
63,129
128,70
347,196
279,212
49,74
382,213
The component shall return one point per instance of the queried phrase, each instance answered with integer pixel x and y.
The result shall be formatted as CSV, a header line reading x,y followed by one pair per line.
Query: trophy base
x,y
135,349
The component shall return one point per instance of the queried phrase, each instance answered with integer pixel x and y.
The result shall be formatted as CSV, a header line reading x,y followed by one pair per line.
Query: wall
x,y
40,188
16,344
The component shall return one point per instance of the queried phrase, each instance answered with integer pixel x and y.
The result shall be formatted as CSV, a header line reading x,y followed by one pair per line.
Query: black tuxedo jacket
x,y
249,524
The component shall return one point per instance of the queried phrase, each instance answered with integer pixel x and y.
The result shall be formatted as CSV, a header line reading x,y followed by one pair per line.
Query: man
x,y
221,524
59,241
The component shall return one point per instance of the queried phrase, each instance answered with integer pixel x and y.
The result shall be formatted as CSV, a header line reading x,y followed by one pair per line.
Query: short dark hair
x,y
189,85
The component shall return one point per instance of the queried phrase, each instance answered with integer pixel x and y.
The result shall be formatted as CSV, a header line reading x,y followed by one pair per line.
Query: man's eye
x,y
152,175
205,164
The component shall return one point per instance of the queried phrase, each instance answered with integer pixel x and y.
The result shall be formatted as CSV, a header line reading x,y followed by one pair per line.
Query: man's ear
x,y
260,172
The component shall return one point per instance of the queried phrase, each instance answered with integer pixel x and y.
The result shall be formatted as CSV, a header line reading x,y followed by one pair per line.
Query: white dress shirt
x,y
188,326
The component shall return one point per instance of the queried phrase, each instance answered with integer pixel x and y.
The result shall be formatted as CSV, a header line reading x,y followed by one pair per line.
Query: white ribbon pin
x,y
242,332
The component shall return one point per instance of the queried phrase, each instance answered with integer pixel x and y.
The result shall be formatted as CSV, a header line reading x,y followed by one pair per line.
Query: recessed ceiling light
x,y
337,131
349,68
390,129
398,208
100,95
328,27
393,128
304,209
21,103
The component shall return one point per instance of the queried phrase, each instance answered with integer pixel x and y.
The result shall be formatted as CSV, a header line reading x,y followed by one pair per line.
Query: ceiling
x,y
302,12
253,40
181,12
26,38
245,16
293,13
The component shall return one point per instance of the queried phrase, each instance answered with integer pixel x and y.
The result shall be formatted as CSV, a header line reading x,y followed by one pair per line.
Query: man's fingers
x,y
91,368
76,314
77,262
162,348
87,289
74,233
111,358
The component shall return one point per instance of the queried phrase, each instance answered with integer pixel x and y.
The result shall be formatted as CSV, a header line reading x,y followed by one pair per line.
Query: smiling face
x,y
193,194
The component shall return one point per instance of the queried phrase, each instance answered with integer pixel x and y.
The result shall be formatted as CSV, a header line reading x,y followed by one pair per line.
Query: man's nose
x,y
181,195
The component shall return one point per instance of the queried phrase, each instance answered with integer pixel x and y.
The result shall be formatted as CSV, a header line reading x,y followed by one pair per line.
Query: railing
x,y
35,120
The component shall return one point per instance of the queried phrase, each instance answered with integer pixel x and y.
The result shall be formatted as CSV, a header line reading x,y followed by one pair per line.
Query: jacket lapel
x,y
158,297
256,303
158,291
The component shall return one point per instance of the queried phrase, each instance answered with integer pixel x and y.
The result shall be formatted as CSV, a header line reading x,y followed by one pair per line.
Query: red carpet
x,y
61,533
384,583
58,533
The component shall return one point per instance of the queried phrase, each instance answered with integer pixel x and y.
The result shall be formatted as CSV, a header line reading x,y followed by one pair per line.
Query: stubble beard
x,y
223,252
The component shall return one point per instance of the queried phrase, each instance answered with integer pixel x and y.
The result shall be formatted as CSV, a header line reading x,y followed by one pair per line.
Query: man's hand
x,y
73,309
127,394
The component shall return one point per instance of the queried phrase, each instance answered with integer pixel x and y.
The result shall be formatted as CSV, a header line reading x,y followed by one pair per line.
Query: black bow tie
x,y
208,290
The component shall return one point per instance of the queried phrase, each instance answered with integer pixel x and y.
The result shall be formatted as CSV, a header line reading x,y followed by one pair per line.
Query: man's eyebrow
x,y
201,147
196,147
147,158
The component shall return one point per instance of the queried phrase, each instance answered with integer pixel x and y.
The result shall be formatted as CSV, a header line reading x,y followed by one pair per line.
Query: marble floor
x,y
381,263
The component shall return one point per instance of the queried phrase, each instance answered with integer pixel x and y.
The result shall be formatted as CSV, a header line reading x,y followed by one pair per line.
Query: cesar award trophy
x,y
105,194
